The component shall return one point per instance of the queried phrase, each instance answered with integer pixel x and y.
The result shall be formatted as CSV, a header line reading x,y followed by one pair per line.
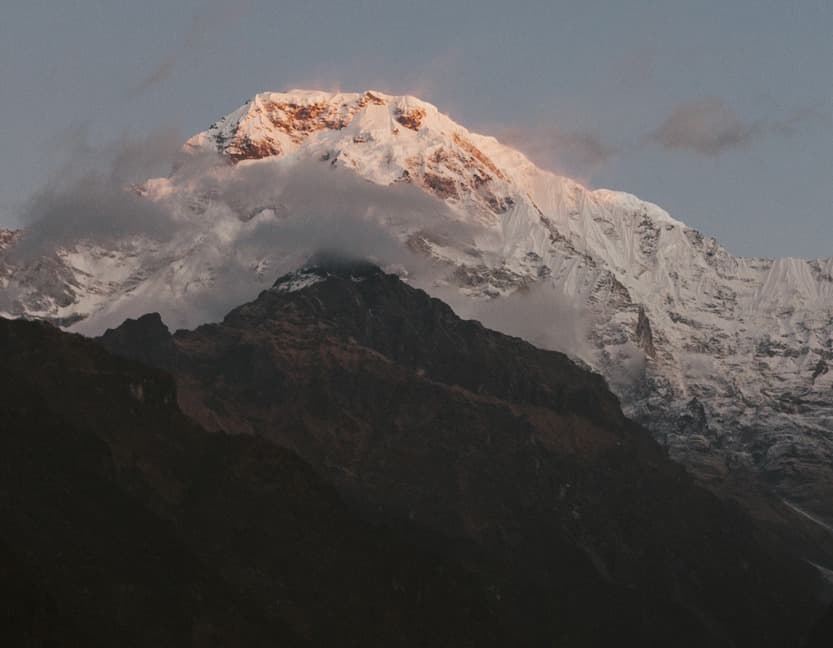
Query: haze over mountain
x,y
725,359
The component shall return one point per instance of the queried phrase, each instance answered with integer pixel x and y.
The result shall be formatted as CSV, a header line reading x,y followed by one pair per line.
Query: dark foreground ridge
x,y
511,463
126,524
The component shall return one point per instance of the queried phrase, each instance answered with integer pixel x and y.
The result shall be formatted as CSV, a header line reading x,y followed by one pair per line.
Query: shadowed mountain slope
x,y
124,523
518,455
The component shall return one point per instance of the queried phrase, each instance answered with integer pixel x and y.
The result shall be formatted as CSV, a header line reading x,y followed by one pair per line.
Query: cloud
x,y
542,315
709,127
706,127
236,229
92,210
89,197
578,153
8,219
160,72
98,190
123,159
205,24
230,224
626,367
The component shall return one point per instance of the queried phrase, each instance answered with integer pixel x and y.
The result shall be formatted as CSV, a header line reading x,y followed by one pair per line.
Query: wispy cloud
x,y
579,153
240,217
709,127
88,197
266,216
161,72
206,24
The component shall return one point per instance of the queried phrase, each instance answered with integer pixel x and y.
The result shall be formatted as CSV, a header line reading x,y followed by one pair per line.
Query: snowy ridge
x,y
726,359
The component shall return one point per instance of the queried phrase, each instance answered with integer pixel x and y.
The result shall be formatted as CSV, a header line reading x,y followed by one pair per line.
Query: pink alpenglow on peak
x,y
725,358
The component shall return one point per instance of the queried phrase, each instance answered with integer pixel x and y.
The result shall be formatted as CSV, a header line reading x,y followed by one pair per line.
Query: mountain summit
x,y
725,359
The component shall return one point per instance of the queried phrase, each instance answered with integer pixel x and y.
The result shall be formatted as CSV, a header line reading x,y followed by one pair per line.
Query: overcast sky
x,y
720,112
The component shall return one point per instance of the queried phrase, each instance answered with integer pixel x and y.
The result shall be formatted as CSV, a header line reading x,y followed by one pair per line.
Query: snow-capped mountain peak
x,y
725,358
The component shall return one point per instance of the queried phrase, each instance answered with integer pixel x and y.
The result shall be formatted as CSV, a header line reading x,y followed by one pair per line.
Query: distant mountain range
x,y
725,359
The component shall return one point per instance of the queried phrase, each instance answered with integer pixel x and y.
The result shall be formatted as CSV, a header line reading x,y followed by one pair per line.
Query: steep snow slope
x,y
726,359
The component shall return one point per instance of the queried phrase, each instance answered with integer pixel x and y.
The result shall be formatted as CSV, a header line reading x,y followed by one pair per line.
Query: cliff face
x,y
519,455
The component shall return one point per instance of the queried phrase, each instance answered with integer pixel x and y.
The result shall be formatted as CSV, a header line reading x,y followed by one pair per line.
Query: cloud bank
x,y
542,315
89,197
234,228
231,231
579,153
709,127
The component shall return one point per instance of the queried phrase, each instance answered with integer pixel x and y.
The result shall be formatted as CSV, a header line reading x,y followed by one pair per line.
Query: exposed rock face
x,y
260,128
417,415
748,338
7,237
122,523
644,337
410,118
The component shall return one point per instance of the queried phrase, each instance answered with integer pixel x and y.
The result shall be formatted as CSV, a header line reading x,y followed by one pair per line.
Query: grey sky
x,y
718,111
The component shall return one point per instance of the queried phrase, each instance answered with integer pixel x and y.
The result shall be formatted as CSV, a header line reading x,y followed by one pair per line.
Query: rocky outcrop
x,y
417,416
644,336
410,118
7,237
